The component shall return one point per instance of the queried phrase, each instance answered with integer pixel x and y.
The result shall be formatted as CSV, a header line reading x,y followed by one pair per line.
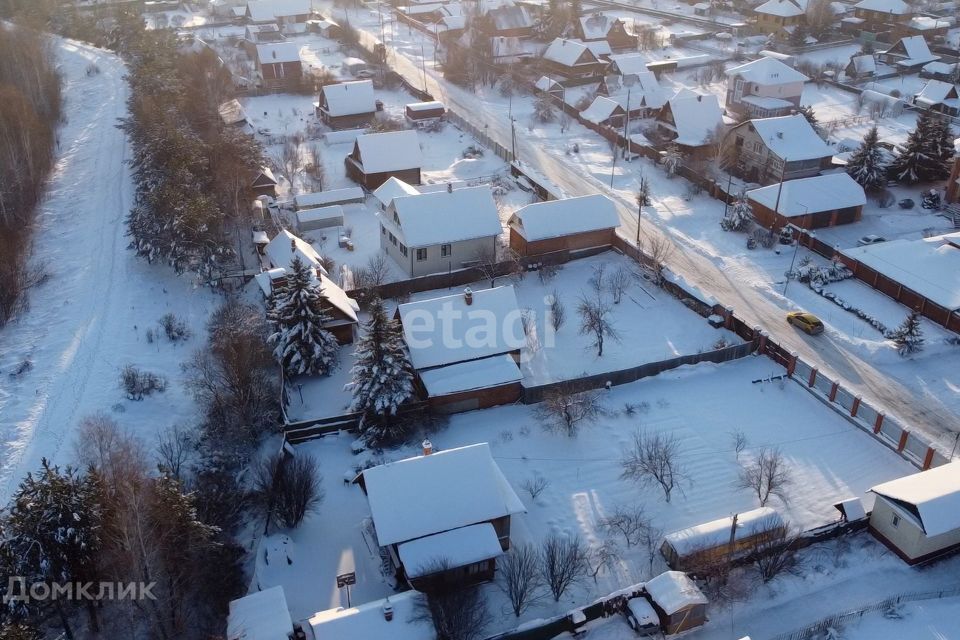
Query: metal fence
x,y
481,136
832,622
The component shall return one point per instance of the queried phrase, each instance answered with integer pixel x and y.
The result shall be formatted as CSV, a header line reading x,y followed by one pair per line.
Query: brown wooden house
x,y
279,65
264,183
573,61
376,157
347,105
443,517
599,26
563,225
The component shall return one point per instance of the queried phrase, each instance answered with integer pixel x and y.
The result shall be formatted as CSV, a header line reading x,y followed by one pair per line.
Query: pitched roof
x,y
260,616
914,49
447,330
231,112
264,10
393,188
892,7
783,8
568,52
277,52
468,376
442,217
349,98
791,138
601,109
366,621
324,198
717,532
932,497
936,92
628,63
811,195
510,17
864,64
767,71
281,252
695,118
454,548
391,151
596,26
425,495
555,218
640,90
673,591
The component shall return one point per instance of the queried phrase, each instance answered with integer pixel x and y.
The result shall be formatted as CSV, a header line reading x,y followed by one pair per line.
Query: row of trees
x,y
924,157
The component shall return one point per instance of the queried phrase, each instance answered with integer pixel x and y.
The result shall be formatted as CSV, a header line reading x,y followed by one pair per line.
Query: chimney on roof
x,y
293,244
468,296
699,98
427,447
387,610
449,187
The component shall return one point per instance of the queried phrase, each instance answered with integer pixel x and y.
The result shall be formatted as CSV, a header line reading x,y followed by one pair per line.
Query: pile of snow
x,y
260,616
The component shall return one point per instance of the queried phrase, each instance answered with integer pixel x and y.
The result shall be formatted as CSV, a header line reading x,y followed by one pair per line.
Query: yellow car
x,y
806,322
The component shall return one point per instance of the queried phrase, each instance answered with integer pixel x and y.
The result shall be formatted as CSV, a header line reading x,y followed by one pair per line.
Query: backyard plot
x,y
701,406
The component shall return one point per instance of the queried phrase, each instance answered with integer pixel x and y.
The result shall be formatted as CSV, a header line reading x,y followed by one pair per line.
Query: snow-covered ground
x,y
93,315
702,405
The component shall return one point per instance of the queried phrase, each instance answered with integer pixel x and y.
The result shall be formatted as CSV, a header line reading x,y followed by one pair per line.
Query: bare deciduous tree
x,y
739,440
653,459
520,577
564,410
173,450
456,614
774,549
650,538
596,322
606,556
629,522
535,486
564,561
658,249
288,488
558,313
371,277
767,475
619,282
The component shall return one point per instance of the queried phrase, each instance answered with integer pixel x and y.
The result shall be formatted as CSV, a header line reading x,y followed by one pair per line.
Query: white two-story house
x,y
764,88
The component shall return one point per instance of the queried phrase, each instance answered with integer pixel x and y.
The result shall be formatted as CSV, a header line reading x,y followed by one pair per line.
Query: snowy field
x,y
700,405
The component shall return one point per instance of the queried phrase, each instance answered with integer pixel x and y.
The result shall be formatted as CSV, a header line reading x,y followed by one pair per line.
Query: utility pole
x,y
423,66
626,128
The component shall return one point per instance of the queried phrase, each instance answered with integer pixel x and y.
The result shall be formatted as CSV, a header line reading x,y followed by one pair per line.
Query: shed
x,y
319,218
378,156
394,618
327,198
232,113
678,601
569,224
260,616
424,113
809,203
701,546
264,183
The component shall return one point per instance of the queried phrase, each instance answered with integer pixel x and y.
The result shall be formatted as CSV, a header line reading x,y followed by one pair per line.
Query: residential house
x,y
511,21
395,617
939,96
281,12
340,308
279,65
465,348
764,88
773,16
443,517
809,203
378,156
918,516
599,26
564,225
255,34
441,231
393,188
262,615
707,545
946,71
929,27
908,53
677,600
572,61
604,111
264,183
691,121
879,16
232,114
775,149
861,67
347,105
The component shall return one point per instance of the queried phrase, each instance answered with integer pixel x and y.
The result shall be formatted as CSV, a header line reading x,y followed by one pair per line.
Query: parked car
x,y
806,322
871,238
641,617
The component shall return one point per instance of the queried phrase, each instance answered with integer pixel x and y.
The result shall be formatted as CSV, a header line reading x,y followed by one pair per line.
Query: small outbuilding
x,y
809,203
704,545
424,114
260,616
264,183
378,156
918,516
678,601
348,195
558,225
319,218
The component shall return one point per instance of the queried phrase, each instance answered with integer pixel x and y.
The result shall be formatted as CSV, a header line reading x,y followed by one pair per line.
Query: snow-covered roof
x,y
892,7
447,216
811,195
350,98
930,266
791,138
640,90
932,497
334,196
596,26
555,218
767,102
260,616
454,548
367,621
265,10
545,83
424,106
914,49
393,188
391,151
568,52
944,68
445,330
852,509
319,213
598,47
695,118
277,52
936,92
630,63
265,279
284,246
430,494
510,17
468,376
673,591
864,64
767,71
231,112
717,532
601,109
783,8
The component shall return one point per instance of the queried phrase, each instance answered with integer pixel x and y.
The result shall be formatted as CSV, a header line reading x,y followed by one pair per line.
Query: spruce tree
x,y
920,158
382,378
866,164
908,336
303,346
942,142
739,214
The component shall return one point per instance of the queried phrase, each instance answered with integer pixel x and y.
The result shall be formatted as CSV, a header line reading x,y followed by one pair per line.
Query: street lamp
x,y
796,248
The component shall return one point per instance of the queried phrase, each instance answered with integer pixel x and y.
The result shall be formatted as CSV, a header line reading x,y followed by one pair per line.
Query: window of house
x,y
383,230
393,239
445,250
757,147
403,248
421,255
396,218
896,521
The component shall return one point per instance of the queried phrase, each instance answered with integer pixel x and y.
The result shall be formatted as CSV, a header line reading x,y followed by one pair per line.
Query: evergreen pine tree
x,y
382,378
919,159
19,631
942,140
739,214
303,346
866,164
908,336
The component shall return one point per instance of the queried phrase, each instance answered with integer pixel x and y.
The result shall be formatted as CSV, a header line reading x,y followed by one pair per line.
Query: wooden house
x,y
769,150
599,26
691,121
572,61
347,105
908,54
564,225
280,12
264,183
877,16
443,517
939,96
379,156
279,65
511,21
773,16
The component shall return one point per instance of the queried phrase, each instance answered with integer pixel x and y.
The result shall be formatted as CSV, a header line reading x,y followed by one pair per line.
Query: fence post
x,y
813,377
855,407
903,440
762,344
878,423
728,320
833,391
792,363
928,459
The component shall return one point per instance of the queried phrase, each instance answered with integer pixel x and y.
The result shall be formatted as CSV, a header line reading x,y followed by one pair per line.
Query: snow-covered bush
x,y
137,384
175,328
